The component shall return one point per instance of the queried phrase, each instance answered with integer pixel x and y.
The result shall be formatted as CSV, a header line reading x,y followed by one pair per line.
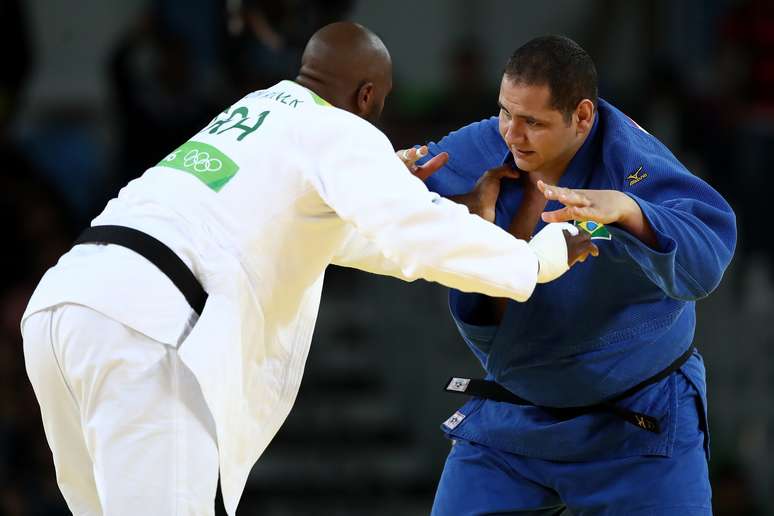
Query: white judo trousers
x,y
125,419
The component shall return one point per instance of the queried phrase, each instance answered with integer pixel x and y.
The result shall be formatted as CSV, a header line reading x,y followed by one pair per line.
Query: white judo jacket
x,y
258,203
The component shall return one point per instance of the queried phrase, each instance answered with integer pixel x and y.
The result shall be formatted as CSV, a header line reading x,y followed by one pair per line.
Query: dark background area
x,y
93,92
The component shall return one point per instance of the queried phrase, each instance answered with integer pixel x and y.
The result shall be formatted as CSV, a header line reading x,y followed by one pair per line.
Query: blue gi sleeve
x,y
473,150
695,228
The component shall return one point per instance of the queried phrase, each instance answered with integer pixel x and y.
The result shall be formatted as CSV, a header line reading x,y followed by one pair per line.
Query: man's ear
x,y
365,95
584,116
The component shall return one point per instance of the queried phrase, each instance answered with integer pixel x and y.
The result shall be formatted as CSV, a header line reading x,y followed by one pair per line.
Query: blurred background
x,y
93,92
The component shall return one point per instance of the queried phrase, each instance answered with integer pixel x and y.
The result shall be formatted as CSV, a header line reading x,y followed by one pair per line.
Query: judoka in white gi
x,y
143,401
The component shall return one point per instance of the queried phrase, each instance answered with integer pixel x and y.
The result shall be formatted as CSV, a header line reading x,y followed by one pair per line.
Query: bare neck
x,y
322,88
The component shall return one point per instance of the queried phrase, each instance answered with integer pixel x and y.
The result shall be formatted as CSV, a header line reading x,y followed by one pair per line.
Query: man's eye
x,y
505,113
531,122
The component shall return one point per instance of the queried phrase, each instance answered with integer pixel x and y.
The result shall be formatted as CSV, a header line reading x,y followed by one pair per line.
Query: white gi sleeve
x,y
358,252
358,175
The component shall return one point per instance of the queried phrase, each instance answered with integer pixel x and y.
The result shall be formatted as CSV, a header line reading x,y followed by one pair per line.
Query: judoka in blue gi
x,y
600,332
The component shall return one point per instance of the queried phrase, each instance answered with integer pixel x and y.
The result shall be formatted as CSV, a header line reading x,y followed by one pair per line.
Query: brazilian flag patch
x,y
595,229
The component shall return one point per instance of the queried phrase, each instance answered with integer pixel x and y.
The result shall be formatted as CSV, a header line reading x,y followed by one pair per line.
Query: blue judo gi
x,y
603,327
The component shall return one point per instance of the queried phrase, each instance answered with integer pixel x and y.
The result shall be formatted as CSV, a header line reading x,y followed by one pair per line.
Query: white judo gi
x,y
136,391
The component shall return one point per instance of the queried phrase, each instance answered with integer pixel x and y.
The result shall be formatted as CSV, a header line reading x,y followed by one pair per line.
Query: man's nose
x,y
514,132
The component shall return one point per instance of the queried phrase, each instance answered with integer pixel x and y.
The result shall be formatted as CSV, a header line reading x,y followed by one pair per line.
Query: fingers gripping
x,y
410,156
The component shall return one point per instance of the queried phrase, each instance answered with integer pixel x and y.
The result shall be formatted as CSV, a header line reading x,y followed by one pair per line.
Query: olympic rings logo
x,y
198,160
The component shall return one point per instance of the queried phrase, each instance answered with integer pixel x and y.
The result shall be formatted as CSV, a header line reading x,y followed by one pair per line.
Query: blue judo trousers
x,y
605,326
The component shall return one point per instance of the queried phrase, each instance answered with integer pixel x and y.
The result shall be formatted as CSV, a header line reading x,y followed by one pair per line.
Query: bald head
x,y
349,66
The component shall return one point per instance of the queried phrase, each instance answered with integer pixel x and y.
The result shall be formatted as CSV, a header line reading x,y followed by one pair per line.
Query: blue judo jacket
x,y
608,323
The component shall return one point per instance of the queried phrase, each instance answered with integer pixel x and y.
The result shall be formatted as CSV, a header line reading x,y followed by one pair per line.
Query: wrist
x,y
633,221
630,214
550,248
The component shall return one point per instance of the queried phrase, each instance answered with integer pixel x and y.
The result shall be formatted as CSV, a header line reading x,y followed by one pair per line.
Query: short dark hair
x,y
559,63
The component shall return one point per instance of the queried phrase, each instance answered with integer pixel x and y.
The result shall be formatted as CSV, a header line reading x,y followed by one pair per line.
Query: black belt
x,y
494,391
155,252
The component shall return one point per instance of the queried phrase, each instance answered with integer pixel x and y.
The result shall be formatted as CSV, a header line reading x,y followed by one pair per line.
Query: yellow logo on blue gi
x,y
595,229
636,177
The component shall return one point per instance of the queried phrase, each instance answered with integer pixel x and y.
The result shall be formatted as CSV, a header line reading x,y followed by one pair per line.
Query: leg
x,y
144,420
61,418
478,480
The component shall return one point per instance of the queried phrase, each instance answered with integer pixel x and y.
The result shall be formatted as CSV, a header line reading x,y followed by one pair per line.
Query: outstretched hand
x,y
602,206
409,157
